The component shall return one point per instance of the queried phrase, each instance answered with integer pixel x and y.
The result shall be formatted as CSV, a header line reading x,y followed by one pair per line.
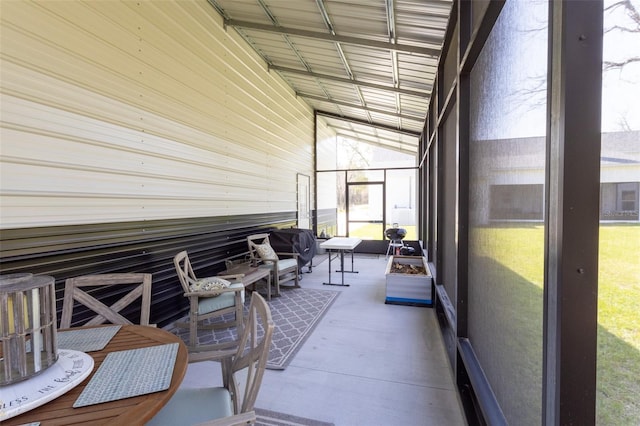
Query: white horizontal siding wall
x,y
124,111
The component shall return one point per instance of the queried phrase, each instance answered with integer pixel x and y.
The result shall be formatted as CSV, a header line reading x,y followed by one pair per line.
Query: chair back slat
x,y
252,354
243,365
253,241
184,270
74,292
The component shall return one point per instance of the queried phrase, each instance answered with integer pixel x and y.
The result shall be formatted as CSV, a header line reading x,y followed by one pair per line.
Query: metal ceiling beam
x,y
360,107
366,123
424,95
391,28
340,52
287,39
432,52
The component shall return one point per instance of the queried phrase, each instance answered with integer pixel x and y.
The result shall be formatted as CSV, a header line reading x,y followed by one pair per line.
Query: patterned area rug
x,y
295,314
271,418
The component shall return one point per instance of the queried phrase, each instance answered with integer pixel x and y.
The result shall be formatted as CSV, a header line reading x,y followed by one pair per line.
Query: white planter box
x,y
408,289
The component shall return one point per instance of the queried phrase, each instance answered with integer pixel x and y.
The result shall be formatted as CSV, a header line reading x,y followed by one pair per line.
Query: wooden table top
x,y
247,269
341,243
251,275
130,411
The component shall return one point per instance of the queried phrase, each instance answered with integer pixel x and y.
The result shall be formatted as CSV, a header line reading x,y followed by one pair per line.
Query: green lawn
x,y
373,231
619,326
516,259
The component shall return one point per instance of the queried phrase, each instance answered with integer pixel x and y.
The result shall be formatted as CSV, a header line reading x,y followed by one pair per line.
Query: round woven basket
x,y
28,343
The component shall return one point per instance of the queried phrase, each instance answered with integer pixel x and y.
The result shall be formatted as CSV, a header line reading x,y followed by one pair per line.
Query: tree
x,y
632,26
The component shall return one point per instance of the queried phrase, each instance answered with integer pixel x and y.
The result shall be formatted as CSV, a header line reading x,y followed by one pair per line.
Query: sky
x,y
621,87
510,76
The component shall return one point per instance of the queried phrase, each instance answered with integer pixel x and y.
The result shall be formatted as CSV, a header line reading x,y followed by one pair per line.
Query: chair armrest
x,y
213,293
241,419
288,254
191,281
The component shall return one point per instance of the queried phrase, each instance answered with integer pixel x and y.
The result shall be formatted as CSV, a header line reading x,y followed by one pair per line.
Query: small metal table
x,y
341,245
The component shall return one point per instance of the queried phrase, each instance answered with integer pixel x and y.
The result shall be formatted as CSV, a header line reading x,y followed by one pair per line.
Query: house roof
x,y
366,66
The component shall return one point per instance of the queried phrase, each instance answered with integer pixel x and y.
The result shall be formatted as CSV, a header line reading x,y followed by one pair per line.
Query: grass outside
x,y
518,249
373,231
619,326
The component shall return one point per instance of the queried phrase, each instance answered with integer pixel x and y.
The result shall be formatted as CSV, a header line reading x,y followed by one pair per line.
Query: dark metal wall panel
x,y
147,246
327,221
571,237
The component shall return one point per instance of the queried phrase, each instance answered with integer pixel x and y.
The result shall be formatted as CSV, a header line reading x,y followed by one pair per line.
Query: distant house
x,y
516,193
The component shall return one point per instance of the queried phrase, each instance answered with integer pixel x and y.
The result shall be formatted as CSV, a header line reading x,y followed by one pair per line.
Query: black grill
x,y
395,233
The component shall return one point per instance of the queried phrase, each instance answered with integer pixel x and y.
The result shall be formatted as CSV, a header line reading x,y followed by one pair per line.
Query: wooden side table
x,y
251,275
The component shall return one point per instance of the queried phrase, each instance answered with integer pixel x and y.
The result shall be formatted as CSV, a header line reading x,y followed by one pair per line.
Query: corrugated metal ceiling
x,y
367,66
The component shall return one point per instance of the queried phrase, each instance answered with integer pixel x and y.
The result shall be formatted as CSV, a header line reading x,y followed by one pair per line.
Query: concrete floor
x,y
366,363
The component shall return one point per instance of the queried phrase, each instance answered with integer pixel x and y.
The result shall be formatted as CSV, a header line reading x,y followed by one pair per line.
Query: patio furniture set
x,y
116,374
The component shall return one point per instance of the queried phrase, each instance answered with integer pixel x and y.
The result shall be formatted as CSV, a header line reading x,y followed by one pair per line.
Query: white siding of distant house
x,y
620,157
620,153
124,111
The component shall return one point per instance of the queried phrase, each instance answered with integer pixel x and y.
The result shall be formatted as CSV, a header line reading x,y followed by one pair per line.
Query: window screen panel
x,y
506,229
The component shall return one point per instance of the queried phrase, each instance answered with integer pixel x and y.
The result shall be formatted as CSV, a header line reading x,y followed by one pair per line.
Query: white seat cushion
x,y
286,263
190,406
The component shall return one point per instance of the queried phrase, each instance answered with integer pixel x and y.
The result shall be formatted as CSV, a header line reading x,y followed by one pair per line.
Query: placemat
x,y
87,340
129,373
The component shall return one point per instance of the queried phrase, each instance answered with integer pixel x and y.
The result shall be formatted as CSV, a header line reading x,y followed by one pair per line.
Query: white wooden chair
x,y
283,269
205,305
74,291
242,371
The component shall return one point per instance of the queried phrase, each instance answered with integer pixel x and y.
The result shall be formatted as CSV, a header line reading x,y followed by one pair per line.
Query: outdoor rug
x,y
271,418
295,315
